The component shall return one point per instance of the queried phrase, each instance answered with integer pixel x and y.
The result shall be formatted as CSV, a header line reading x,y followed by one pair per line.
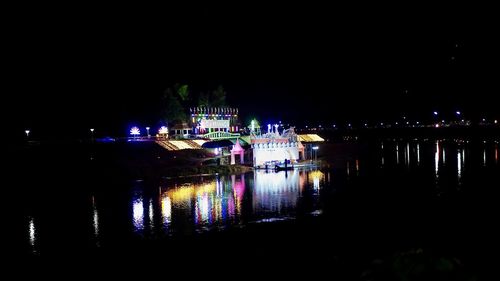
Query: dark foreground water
x,y
380,209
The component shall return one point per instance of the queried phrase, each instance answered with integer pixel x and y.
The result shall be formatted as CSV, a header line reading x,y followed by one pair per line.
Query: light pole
x,y
147,129
92,134
27,132
315,148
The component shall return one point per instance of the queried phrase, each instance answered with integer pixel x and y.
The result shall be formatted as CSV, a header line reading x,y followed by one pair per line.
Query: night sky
x,y
105,68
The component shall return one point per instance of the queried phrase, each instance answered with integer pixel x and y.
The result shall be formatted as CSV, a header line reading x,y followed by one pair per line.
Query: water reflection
x,y
95,218
276,192
418,153
397,154
459,165
436,160
407,154
227,200
150,212
32,234
166,210
496,153
138,214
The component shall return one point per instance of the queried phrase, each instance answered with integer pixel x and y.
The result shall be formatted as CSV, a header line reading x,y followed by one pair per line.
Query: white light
x,y
32,232
163,130
458,113
92,130
135,131
147,128
496,121
138,214
484,120
435,113
315,147
166,209
418,122
27,132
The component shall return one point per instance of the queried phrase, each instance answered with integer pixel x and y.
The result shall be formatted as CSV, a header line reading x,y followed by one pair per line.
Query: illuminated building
x,y
214,122
275,148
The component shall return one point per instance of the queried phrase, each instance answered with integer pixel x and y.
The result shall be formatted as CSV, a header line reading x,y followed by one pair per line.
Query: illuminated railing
x,y
221,135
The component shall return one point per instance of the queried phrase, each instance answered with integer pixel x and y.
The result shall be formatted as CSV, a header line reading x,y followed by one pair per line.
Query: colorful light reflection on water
x,y
205,203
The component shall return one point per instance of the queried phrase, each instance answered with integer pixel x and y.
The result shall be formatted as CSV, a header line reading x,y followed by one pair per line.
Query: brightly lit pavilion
x,y
274,148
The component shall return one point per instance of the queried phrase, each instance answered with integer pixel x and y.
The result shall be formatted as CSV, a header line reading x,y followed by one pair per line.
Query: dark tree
x,y
218,97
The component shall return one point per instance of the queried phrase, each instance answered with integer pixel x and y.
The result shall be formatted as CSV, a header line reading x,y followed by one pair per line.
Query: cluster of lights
x,y
135,131
163,130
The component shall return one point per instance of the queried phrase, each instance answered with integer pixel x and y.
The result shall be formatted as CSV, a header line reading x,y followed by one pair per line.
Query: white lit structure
x,y
135,131
206,120
273,148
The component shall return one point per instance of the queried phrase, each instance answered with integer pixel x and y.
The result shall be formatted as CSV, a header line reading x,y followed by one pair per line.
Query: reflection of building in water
x,y
238,191
166,209
315,177
276,192
212,201
279,192
226,200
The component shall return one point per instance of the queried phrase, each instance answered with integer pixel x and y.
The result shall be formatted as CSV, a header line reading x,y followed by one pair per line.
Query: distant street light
x,y
92,134
435,113
27,132
459,113
147,129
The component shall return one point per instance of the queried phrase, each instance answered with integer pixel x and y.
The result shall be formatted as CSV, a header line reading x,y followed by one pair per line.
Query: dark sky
x,y
104,67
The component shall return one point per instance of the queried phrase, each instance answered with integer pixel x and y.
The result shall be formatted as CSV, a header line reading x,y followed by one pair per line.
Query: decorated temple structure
x,y
214,119
273,148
